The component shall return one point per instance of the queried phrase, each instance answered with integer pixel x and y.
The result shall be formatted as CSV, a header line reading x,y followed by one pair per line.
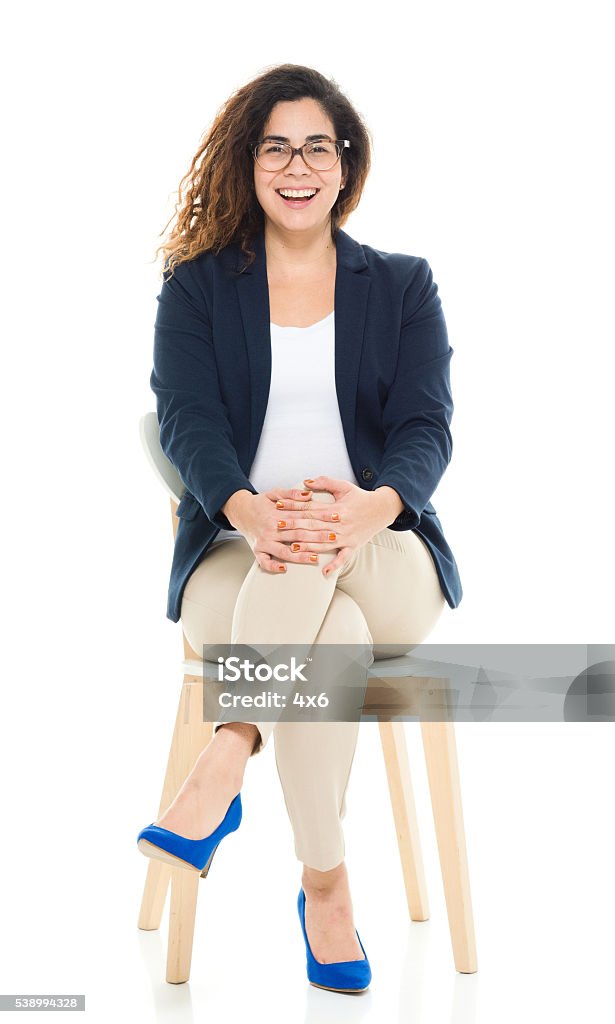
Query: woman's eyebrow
x,y
308,138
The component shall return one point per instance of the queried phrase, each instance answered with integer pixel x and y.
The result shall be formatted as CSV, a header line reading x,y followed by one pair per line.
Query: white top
x,y
302,433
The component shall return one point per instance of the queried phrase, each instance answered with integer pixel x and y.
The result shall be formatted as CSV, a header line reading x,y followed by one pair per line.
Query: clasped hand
x,y
290,525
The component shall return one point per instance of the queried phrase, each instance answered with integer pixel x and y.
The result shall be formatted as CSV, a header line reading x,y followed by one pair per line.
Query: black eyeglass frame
x,y
344,143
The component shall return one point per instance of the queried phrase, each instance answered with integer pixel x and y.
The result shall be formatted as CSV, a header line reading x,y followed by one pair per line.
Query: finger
x,y
323,483
307,543
298,498
305,554
269,564
329,513
338,562
289,505
317,483
305,529
311,545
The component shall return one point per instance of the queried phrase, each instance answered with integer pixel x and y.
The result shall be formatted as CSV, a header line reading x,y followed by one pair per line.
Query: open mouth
x,y
297,201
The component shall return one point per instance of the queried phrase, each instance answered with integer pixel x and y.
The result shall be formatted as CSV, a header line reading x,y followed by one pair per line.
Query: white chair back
x,y
149,431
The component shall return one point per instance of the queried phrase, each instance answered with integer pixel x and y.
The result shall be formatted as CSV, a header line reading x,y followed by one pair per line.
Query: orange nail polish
x,y
295,547
335,516
309,480
313,558
279,504
281,522
332,536
281,568
305,493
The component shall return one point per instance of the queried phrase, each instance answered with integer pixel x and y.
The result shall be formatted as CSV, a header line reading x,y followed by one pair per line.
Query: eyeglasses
x,y
321,155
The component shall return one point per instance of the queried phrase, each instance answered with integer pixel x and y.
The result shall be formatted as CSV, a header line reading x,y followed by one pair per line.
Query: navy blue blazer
x,y
211,376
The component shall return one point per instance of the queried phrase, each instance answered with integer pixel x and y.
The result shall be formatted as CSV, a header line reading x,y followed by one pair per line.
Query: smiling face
x,y
293,121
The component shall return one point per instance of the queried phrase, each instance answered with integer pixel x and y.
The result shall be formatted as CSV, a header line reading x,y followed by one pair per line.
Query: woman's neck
x,y
289,254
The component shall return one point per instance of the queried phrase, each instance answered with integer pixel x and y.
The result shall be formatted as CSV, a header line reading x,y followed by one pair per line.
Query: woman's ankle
x,y
223,761
238,739
325,883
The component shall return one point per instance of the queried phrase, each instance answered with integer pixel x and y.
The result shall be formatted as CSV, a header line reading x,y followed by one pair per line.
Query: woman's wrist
x,y
234,506
390,502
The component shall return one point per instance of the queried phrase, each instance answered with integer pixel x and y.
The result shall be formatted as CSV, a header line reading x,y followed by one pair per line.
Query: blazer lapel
x,y
352,284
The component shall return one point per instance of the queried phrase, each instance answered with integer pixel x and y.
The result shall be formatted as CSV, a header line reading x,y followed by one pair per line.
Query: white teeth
x,y
297,193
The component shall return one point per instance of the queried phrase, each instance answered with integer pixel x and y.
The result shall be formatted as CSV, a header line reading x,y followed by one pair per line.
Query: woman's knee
x,y
202,626
210,594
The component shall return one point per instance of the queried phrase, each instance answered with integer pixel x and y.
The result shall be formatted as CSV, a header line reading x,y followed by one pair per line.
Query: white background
x,y
492,133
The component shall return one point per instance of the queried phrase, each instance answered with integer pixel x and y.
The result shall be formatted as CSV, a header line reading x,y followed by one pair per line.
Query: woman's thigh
x,y
210,595
392,578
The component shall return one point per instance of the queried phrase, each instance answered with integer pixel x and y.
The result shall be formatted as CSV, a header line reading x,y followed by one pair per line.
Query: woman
x,y
284,347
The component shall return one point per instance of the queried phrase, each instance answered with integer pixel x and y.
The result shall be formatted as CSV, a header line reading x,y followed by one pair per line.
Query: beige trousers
x,y
388,595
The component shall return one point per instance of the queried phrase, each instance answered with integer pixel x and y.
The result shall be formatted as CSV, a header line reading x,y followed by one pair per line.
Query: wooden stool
x,y
191,734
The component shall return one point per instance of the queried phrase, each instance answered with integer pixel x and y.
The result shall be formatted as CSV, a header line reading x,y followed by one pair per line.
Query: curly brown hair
x,y
217,203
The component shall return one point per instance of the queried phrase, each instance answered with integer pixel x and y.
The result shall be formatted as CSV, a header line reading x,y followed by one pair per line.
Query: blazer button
x,y
367,474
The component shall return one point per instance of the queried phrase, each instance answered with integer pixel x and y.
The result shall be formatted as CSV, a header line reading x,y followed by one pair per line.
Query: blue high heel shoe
x,y
194,854
344,976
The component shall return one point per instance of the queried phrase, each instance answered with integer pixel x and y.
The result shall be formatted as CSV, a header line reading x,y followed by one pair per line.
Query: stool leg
x,y
159,873
190,736
154,895
182,914
443,775
194,737
395,753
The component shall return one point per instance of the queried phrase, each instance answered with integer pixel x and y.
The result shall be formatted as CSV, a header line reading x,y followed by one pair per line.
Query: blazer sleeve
x,y
195,432
419,406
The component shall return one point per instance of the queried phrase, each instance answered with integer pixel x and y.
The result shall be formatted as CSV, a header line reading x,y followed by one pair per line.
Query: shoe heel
x,y
208,865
